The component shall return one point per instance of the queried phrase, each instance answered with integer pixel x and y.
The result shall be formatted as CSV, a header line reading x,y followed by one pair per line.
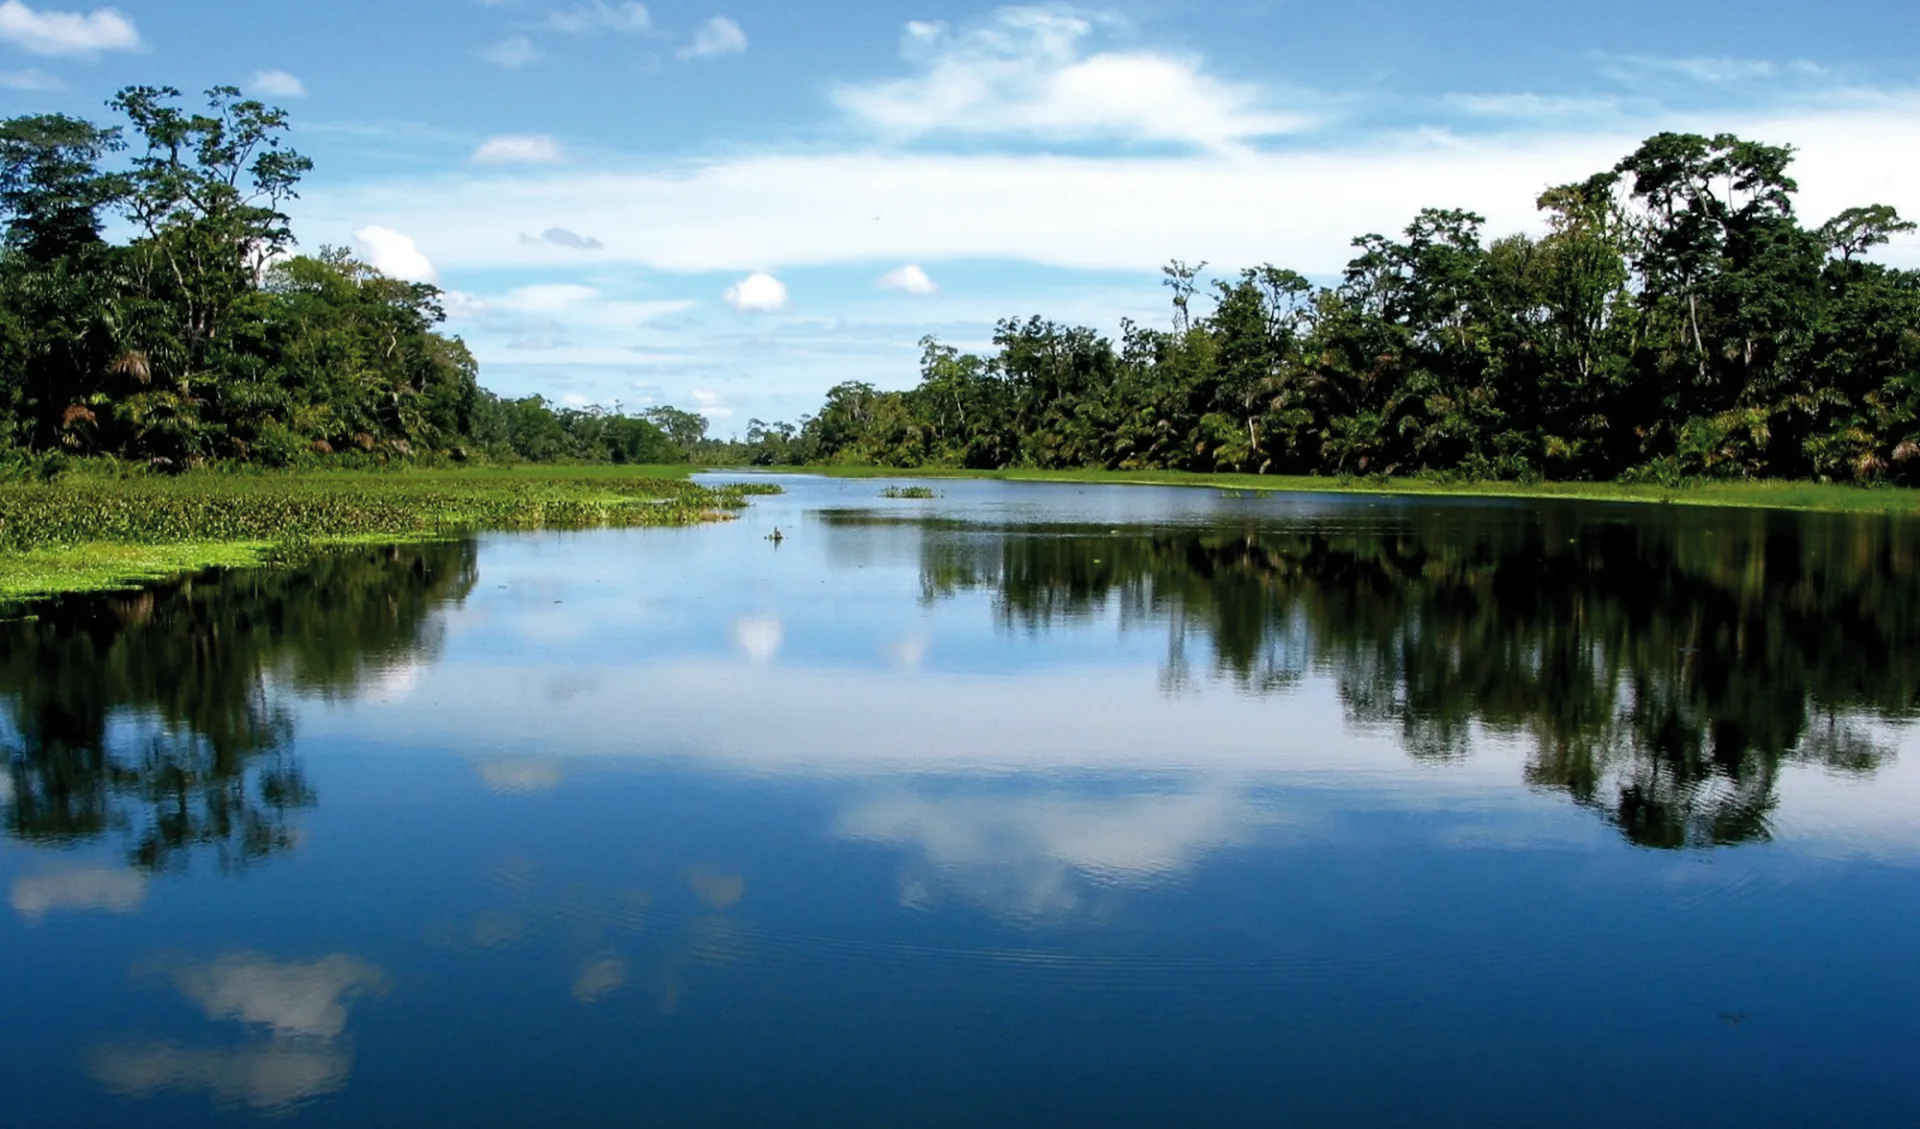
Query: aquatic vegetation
x,y
80,533
908,492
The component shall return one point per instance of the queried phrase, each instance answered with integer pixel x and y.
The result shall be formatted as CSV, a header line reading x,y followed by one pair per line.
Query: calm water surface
x,y
1026,805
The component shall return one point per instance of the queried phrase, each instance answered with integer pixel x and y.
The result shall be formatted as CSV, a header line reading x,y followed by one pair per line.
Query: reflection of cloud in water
x,y
1029,855
910,652
307,1000
112,890
519,776
598,978
265,1077
392,683
758,637
717,889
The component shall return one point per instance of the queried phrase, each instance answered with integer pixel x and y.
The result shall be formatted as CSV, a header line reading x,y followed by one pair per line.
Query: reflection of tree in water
x,y
147,714
1665,665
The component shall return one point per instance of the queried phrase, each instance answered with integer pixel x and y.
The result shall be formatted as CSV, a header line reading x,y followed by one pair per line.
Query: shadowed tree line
x,y
204,336
146,717
1663,669
1676,319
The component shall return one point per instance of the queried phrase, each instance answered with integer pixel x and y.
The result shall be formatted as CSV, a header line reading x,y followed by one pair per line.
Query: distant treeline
x,y
203,337
1675,320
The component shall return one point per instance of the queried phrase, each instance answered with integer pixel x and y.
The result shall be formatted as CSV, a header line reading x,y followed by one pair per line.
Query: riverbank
x,y
1804,496
89,532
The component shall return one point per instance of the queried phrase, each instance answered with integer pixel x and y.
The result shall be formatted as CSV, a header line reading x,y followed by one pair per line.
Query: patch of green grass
x,y
89,532
1767,494
908,492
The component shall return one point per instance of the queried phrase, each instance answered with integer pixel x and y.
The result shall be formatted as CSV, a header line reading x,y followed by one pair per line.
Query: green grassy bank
x,y
1809,496
89,531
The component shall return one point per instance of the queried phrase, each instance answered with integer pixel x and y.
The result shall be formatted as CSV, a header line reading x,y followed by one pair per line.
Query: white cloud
x,y
276,84
758,293
1026,72
290,999
29,80
718,36
909,279
709,404
66,33
1711,70
1299,209
518,149
101,888
758,637
394,255
627,17
511,53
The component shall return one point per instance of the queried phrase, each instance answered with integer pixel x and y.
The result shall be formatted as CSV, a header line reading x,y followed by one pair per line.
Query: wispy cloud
x,y
29,80
628,17
66,33
518,149
718,36
512,52
561,237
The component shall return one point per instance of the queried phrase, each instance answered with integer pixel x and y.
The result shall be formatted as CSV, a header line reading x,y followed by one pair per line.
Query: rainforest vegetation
x,y
202,336
1676,320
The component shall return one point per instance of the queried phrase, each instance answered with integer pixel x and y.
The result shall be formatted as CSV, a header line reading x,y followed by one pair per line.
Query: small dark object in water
x,y
776,536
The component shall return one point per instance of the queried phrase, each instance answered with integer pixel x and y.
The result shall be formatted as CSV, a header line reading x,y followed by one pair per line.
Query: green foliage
x,y
76,532
1675,322
205,338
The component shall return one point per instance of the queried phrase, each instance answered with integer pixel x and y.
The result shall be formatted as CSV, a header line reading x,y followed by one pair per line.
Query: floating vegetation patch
x,y
83,533
908,492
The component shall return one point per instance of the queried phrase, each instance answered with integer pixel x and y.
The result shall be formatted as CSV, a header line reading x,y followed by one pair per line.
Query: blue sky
x,y
732,206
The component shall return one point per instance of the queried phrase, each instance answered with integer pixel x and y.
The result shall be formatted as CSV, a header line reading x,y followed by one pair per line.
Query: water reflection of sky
x,y
683,823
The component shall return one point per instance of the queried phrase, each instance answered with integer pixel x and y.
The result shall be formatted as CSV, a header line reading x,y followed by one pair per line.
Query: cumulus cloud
x,y
269,1077
758,637
512,53
909,279
394,255
66,33
1028,72
276,84
718,36
518,149
109,890
561,237
627,17
758,293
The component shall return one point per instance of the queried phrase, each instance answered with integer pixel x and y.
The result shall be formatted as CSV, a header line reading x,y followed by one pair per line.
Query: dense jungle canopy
x,y
1675,319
